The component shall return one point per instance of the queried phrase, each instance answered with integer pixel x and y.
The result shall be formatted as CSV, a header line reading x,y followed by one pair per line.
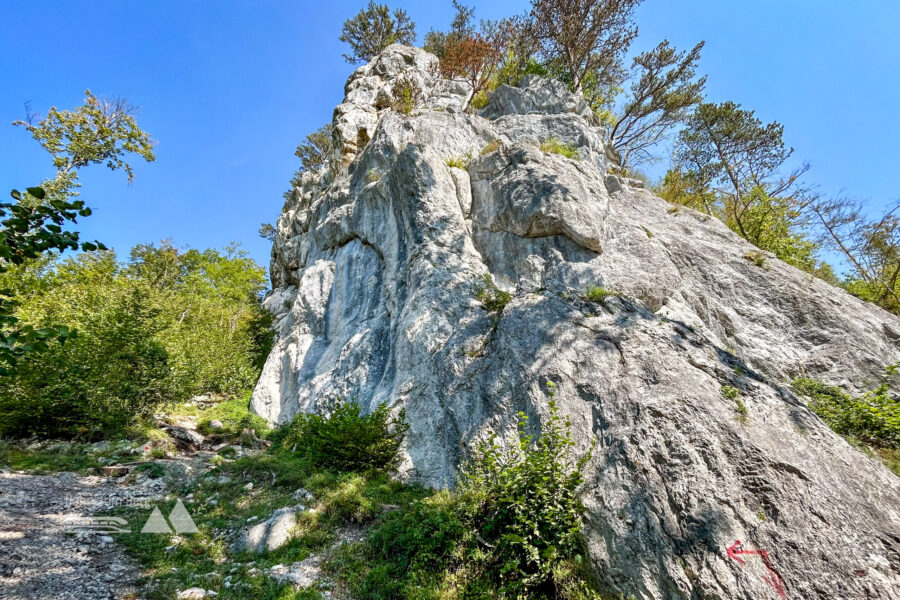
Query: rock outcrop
x,y
374,271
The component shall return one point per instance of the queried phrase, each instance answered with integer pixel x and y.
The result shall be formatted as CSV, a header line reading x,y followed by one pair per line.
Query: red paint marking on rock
x,y
772,578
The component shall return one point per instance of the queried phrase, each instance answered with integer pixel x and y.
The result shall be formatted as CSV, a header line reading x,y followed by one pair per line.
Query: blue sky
x,y
229,88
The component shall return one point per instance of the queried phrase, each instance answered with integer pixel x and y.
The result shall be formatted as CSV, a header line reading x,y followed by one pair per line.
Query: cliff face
x,y
374,270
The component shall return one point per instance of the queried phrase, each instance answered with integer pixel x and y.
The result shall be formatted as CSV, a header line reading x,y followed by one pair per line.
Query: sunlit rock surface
x,y
374,271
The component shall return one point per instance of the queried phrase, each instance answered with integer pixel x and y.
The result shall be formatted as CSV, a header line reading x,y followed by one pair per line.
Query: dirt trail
x,y
50,548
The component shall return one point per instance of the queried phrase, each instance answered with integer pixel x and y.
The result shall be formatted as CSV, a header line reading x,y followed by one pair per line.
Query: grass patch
x,y
555,146
459,162
734,394
233,412
599,294
491,146
76,458
757,258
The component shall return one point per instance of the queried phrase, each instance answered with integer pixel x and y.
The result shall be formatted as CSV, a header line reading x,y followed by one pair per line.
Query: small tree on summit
x,y
374,29
588,38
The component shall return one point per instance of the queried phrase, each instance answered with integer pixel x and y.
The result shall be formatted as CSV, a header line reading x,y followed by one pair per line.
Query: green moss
x,y
493,298
52,458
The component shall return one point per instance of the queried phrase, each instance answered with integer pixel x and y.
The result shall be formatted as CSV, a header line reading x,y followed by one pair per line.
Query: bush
x,y
511,529
493,298
342,438
525,503
555,146
406,95
163,326
97,383
873,417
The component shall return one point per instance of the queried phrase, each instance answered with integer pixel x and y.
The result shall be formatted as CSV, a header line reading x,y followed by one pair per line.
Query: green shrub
x,y
493,298
873,417
555,146
526,507
342,438
97,383
406,95
598,294
163,326
511,530
480,100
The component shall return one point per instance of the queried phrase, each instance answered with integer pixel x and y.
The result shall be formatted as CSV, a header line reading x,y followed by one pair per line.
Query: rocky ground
x,y
50,549
84,535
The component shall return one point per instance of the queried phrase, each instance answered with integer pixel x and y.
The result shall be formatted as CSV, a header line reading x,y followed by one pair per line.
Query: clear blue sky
x,y
229,88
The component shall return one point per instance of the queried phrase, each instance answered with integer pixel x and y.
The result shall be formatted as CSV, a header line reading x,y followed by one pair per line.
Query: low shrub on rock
x,y
510,530
873,418
341,437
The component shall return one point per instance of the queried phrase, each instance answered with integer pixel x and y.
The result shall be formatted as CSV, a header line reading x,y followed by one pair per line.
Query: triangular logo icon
x,y
181,520
156,523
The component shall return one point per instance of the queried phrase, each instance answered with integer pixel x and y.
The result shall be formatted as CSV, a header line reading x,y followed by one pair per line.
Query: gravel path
x,y
50,549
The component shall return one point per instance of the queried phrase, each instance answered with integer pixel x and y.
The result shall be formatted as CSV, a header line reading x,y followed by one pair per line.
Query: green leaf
x,y
15,194
88,246
37,192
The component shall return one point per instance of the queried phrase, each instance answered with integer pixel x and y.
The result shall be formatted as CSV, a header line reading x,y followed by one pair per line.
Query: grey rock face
x,y
374,282
536,95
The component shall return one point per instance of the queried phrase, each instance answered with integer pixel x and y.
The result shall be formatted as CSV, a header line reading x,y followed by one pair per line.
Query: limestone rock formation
x,y
374,271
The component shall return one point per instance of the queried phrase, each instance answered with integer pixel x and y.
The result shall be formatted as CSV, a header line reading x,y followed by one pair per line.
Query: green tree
x,y
588,38
870,246
730,165
165,325
664,89
101,131
216,333
373,29
460,27
313,152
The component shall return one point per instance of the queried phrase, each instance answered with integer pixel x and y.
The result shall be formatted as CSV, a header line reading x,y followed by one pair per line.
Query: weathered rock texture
x,y
374,269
